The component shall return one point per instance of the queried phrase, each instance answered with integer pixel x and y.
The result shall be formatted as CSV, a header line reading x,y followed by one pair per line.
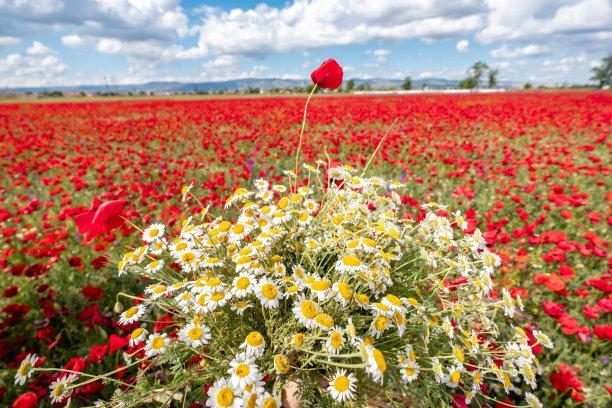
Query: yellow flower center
x,y
459,354
281,363
25,369
153,264
379,358
224,226
136,333
269,291
298,339
336,340
238,229
158,343
342,383
320,285
381,323
351,260
58,390
225,397
254,339
195,333
409,371
217,296
455,377
283,203
362,298
394,300
270,403
188,257
181,246
153,233
309,310
243,282
325,320
242,370
131,312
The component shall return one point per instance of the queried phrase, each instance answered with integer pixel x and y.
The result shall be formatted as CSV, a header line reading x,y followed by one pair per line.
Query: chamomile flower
x,y
268,400
185,190
349,264
335,340
137,336
342,386
153,232
26,368
343,292
269,293
132,314
154,266
195,335
223,395
543,339
60,388
454,376
261,184
241,306
254,344
156,344
437,369
281,364
305,311
156,290
243,370
243,284
410,371
532,400
376,364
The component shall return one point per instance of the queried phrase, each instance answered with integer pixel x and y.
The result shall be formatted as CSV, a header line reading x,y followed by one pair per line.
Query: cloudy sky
x,y
66,42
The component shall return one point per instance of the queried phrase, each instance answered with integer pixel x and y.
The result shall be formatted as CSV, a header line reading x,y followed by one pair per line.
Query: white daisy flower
x,y
376,364
195,335
305,311
241,306
132,314
26,368
342,386
269,293
153,232
532,400
410,371
268,400
543,339
223,395
154,266
254,344
59,388
335,340
243,370
156,344
349,264
454,376
137,336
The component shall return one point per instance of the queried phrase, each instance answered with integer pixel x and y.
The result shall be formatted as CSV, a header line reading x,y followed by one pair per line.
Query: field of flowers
x,y
531,170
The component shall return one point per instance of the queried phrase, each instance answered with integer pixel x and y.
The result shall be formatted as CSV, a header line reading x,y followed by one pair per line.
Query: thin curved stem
x,y
299,149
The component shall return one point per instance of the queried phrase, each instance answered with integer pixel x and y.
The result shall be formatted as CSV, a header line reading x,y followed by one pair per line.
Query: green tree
x,y
493,77
527,85
603,73
407,85
350,85
468,83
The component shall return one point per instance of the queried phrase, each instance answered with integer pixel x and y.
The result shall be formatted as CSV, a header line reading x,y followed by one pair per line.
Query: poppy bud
x,y
328,75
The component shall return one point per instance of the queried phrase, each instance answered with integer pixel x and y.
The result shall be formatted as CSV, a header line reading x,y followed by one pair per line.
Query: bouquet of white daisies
x,y
322,294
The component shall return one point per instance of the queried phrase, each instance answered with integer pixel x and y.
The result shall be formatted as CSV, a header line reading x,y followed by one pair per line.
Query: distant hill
x,y
264,84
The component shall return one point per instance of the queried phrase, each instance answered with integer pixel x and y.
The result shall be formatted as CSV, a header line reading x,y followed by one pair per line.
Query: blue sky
x,y
68,42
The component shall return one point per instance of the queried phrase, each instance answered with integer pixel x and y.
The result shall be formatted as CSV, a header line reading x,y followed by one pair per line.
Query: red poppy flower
x,y
27,400
328,75
102,217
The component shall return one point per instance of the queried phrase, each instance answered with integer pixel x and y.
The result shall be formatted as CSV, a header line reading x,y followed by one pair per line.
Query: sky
x,y
75,42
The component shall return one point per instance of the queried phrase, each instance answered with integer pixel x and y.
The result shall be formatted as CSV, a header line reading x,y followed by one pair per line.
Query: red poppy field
x,y
531,170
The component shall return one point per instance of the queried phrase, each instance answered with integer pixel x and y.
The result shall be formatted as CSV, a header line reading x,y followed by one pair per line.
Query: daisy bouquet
x,y
317,293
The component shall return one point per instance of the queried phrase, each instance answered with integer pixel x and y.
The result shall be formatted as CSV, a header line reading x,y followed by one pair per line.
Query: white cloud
x,y
462,46
307,24
72,40
7,41
38,48
32,68
381,55
528,50
512,20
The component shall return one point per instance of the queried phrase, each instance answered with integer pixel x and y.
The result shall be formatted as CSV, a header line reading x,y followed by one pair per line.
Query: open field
x,y
529,169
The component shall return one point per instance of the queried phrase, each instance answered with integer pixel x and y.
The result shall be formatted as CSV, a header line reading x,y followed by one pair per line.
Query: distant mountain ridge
x,y
264,84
